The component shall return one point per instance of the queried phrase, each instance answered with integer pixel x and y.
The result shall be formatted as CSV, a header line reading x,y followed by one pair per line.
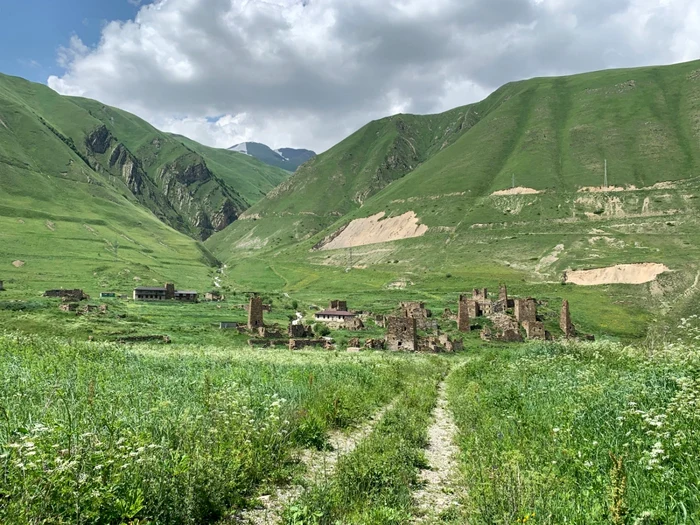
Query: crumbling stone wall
x,y
463,318
473,308
534,330
354,323
338,306
565,320
401,334
480,294
298,331
525,310
67,295
255,313
375,344
298,344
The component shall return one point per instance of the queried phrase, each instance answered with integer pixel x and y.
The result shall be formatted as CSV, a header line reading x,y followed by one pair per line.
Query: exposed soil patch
x,y
375,229
18,264
603,189
520,190
438,491
51,226
550,259
620,274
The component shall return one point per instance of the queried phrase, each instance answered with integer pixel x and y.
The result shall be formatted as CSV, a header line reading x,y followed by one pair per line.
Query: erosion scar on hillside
x,y
619,274
373,230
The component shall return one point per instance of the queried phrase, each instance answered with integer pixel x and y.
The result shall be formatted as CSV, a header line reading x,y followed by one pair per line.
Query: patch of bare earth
x,y
620,274
520,190
51,226
376,229
439,490
319,464
18,264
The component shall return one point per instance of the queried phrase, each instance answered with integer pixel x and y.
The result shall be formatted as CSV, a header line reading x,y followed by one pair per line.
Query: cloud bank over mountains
x,y
306,73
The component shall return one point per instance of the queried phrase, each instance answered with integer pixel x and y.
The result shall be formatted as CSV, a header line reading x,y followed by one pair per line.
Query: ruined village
x,y
410,327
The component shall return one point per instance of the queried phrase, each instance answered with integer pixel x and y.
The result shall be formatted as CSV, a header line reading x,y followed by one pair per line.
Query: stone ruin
x,y
299,344
338,306
375,344
565,321
68,295
525,310
255,313
463,317
535,330
297,331
401,334
354,323
417,310
439,344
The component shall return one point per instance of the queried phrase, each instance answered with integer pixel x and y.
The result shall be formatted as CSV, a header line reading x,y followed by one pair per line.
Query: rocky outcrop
x,y
99,140
225,216
185,172
130,168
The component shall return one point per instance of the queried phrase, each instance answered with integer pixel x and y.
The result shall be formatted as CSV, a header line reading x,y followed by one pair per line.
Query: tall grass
x,y
580,433
373,483
95,434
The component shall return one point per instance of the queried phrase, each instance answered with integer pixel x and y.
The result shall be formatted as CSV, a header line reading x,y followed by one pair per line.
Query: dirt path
x,y
320,466
439,486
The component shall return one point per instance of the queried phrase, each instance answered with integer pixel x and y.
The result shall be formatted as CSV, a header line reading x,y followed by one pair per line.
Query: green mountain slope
x,y
456,222
342,179
193,189
64,225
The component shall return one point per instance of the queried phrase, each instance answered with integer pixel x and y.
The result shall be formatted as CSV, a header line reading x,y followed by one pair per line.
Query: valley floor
x,y
536,433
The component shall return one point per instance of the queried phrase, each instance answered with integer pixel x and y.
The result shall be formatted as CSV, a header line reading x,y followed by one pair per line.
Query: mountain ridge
x,y
288,159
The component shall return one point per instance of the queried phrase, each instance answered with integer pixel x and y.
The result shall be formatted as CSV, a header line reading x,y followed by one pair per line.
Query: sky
x,y
307,73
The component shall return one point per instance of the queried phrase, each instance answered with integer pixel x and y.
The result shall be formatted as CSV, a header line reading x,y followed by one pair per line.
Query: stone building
x,y
255,313
480,294
473,308
165,293
534,330
525,310
334,316
463,318
213,296
565,320
354,323
67,295
401,334
297,331
338,305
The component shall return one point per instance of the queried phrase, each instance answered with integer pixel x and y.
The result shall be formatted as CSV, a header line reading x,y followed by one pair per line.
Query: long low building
x,y
157,293
334,316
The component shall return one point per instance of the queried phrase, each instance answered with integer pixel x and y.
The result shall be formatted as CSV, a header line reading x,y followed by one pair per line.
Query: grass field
x,y
548,433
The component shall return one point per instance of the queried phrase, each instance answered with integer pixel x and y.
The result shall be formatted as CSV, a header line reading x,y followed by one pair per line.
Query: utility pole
x,y
605,177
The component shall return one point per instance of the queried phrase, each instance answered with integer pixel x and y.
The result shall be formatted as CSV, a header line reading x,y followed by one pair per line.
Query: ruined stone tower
x,y
565,320
526,310
169,291
401,334
463,324
255,313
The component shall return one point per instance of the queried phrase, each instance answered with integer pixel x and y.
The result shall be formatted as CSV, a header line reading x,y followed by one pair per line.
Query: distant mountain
x,y
286,158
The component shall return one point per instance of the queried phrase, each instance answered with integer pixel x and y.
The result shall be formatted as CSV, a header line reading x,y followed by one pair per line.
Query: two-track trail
x,y
439,489
319,464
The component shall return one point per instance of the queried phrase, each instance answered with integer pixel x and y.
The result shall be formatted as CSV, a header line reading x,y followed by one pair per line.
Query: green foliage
x,y
94,433
590,433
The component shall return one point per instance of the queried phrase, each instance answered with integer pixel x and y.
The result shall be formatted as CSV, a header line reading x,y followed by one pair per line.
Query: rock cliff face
x,y
182,192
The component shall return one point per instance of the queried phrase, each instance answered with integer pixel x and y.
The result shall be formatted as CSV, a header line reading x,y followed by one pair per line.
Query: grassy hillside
x,y
64,224
196,190
552,135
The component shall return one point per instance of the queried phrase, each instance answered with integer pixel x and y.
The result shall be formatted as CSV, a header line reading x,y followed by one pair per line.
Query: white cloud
x,y
308,72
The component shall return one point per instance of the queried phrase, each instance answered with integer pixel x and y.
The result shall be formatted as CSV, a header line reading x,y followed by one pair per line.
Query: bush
x,y
321,330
